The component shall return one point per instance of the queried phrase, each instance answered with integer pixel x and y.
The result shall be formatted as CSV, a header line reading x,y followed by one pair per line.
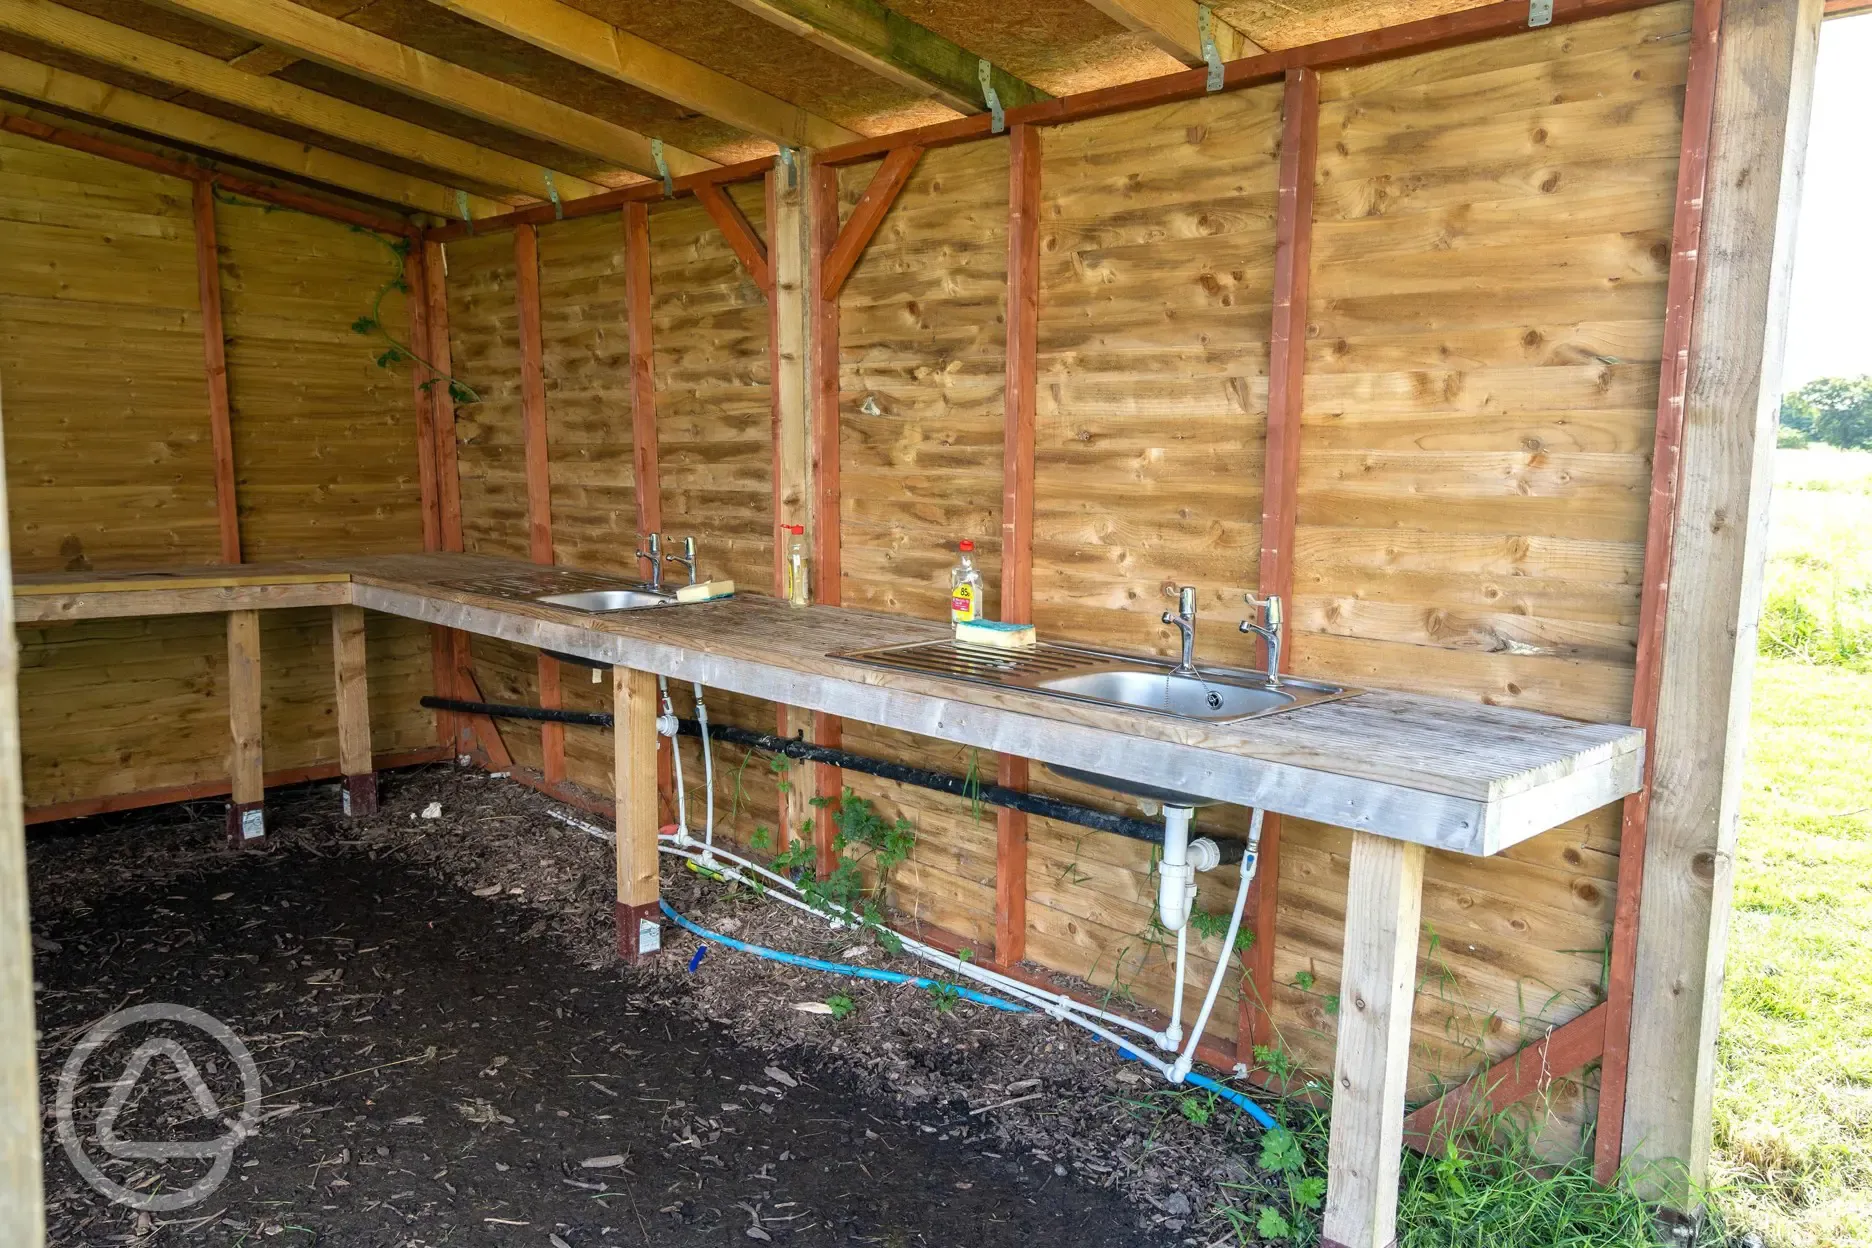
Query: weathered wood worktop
x,y
1432,771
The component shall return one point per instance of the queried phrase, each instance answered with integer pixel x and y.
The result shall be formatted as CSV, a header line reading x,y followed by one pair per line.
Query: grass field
x,y
1793,1121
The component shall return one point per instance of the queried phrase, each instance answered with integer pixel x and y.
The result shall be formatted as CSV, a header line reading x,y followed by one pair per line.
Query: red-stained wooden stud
x,y
824,469
866,216
1017,504
423,399
450,647
1293,250
96,146
646,476
824,532
538,472
1666,485
214,352
747,245
637,299
442,401
1561,1051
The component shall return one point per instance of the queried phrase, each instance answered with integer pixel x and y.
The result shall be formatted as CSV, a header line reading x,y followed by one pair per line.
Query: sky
x,y
1830,321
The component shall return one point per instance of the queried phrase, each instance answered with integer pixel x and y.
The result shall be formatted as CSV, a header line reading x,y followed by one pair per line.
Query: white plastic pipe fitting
x,y
1176,876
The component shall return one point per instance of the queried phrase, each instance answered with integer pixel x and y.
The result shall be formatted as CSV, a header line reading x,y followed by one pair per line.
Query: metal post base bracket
x,y
360,795
246,824
639,933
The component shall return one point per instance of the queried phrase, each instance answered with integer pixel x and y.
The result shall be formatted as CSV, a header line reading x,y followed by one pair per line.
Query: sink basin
x,y
597,600
1133,788
1190,697
1216,695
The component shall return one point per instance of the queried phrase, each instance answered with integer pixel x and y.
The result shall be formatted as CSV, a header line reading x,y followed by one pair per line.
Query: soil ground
x,y
450,1055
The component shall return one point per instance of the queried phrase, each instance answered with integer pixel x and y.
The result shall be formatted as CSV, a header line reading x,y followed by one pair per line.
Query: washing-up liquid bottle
x,y
797,594
965,586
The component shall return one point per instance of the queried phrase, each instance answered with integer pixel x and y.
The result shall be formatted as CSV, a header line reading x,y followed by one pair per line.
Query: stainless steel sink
x,y
600,600
1213,695
1190,697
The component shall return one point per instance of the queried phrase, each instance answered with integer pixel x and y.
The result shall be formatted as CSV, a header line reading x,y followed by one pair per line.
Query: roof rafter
x,y
1175,26
150,57
566,32
349,49
892,46
176,123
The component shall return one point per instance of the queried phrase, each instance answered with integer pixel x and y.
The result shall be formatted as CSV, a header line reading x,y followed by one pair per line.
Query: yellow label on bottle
x,y
962,604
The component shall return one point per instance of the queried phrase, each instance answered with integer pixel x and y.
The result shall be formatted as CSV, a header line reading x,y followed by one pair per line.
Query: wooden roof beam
x,y
313,36
1175,26
175,123
566,32
82,35
890,45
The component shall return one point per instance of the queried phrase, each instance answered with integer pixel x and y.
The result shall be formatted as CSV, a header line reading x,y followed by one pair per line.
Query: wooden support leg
x,y
1384,903
246,765
1011,869
634,732
353,698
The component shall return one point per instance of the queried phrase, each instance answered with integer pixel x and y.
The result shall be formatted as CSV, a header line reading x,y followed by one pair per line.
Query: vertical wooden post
x,y
634,711
442,410
791,319
1666,483
1293,256
353,700
214,350
823,531
450,647
22,1195
1763,99
1017,506
424,384
1384,902
638,294
246,821
421,394
537,443
647,477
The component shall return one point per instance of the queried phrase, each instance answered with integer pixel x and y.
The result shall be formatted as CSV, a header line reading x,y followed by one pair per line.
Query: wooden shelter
x,y
1455,324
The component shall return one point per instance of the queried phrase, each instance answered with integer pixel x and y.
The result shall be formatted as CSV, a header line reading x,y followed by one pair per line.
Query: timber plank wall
x,y
713,420
110,465
1490,247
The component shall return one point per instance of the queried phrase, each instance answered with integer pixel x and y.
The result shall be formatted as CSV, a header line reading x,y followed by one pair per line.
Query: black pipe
x,y
806,752
507,710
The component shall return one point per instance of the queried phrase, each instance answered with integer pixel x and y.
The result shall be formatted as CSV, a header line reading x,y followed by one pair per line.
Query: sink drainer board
x,y
530,585
979,663
1093,676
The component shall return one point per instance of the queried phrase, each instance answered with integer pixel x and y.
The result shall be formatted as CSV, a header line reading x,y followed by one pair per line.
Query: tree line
x,y
1833,410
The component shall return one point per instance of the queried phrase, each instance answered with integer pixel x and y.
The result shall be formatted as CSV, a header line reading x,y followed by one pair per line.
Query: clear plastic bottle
x,y
798,593
965,586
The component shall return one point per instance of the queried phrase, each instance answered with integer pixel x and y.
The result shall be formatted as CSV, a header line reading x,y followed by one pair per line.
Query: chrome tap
x,y
1184,617
687,558
655,556
1270,607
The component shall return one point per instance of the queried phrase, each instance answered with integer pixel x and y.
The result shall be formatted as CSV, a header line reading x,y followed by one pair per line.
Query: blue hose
x,y
837,968
1207,1084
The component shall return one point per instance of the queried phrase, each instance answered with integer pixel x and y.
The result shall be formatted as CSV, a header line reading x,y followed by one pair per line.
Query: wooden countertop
x,y
1450,774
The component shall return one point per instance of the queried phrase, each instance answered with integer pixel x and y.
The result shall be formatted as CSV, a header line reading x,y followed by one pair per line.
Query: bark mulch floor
x,y
450,1055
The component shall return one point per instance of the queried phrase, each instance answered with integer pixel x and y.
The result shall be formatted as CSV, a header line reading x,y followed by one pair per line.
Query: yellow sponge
x,y
996,635
702,591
